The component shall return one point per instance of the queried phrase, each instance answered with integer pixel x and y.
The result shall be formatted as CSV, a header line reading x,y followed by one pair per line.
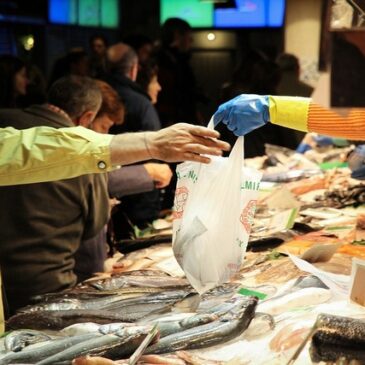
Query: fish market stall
x,y
293,300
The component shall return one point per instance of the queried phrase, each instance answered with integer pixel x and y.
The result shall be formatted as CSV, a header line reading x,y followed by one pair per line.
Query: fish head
x,y
245,305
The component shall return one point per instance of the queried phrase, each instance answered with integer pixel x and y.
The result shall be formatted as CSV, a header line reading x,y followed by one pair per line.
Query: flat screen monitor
x,y
237,14
92,13
197,13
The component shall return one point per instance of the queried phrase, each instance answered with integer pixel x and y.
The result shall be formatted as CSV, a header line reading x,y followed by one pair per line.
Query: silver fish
x,y
170,327
33,355
121,343
17,340
224,329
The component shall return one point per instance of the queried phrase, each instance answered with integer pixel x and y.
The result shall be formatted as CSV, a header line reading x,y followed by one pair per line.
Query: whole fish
x,y
222,330
122,281
88,292
82,328
56,320
32,355
17,340
170,327
112,346
131,309
338,337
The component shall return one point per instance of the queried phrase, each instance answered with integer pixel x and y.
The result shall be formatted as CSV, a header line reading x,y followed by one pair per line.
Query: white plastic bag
x,y
214,209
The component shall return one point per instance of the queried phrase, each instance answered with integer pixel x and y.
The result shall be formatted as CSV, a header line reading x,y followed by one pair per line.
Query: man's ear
x,y
134,72
86,119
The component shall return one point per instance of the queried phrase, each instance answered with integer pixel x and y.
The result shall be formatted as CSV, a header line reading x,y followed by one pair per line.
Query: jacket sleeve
x,y
47,154
303,114
327,122
129,180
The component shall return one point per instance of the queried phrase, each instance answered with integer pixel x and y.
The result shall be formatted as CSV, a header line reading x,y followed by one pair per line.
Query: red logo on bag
x,y
247,215
181,196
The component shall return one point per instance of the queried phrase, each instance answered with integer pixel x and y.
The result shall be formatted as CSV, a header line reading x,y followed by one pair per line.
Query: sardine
x,y
338,337
32,355
17,340
221,330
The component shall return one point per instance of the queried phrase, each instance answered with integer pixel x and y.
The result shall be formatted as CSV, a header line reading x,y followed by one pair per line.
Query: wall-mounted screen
x,y
93,13
233,14
195,12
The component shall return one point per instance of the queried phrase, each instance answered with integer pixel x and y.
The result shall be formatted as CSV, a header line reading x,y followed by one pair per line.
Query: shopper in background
x,y
129,180
139,209
257,74
13,80
98,59
142,44
140,113
147,79
74,62
290,83
178,98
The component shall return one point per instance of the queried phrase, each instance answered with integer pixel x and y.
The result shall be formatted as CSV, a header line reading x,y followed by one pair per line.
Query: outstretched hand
x,y
185,142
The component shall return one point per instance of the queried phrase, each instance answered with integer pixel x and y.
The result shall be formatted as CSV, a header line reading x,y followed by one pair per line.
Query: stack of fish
x,y
119,340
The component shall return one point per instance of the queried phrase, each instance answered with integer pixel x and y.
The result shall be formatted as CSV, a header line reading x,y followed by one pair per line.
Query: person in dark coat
x,y
178,98
140,115
43,224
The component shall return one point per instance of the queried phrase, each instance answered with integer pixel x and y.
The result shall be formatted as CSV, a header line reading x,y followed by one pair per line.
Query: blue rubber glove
x,y
244,113
357,162
323,141
303,147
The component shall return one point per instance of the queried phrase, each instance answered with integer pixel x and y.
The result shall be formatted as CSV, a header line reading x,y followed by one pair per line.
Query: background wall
x,y
302,35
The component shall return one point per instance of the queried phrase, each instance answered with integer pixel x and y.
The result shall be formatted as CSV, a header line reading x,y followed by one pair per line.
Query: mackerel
x,y
222,330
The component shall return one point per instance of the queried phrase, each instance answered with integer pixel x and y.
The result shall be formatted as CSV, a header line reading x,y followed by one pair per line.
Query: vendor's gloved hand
x,y
322,141
244,113
356,162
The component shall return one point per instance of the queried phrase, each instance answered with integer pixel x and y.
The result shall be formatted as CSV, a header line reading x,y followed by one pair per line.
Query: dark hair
x,y
137,41
171,27
62,66
98,36
9,67
111,104
146,72
75,95
288,62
